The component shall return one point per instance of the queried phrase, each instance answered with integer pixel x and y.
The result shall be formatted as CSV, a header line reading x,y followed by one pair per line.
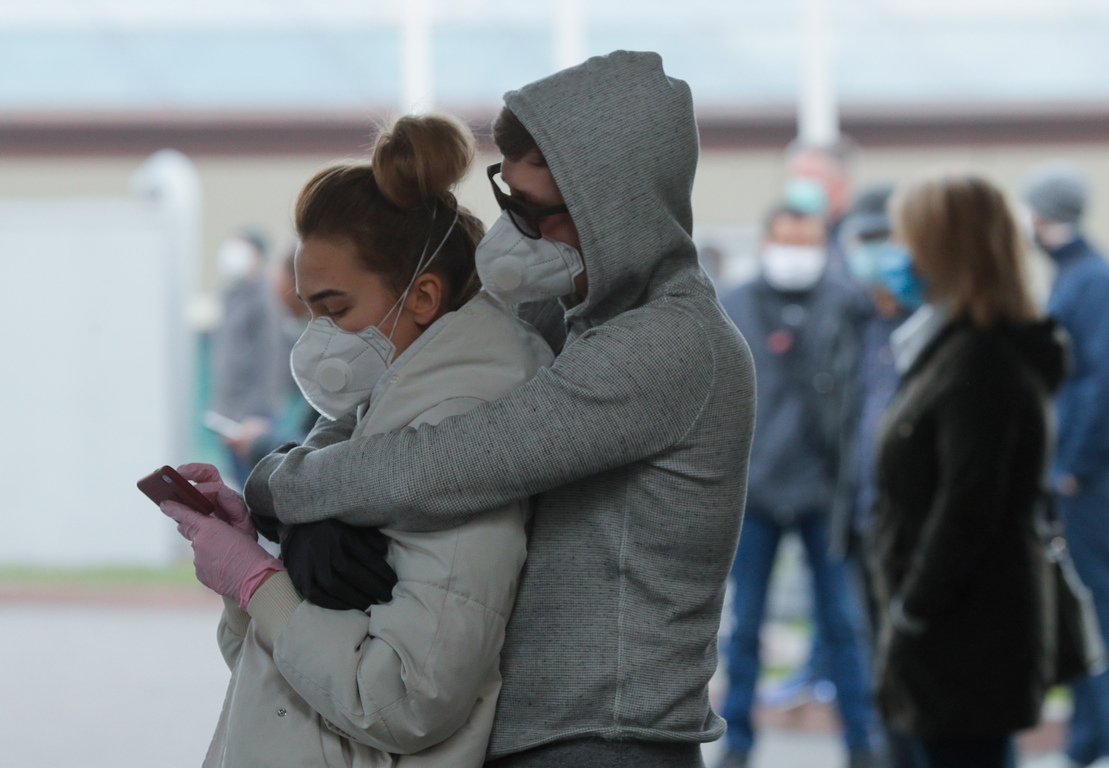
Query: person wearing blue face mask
x,y
898,276
884,269
958,564
819,182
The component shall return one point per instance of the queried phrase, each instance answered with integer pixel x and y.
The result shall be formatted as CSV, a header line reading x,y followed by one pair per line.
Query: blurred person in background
x,y
958,563
802,323
818,182
712,258
872,260
249,357
878,264
295,417
1057,194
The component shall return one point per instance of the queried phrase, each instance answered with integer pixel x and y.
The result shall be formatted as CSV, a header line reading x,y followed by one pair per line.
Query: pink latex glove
x,y
230,506
228,560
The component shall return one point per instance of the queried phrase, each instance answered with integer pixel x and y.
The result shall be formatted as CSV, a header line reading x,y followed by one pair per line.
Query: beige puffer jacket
x,y
413,682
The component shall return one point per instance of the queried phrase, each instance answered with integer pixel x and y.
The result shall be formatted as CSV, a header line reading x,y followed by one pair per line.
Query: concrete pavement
x,y
108,686
134,679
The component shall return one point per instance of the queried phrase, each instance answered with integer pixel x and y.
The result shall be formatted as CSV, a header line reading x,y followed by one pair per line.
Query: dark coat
x,y
805,348
960,462
1080,302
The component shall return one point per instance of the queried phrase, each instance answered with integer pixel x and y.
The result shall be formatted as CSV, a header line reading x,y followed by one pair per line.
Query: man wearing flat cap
x,y
1057,195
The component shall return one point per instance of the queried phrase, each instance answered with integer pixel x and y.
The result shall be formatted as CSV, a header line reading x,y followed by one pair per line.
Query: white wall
x,y
97,373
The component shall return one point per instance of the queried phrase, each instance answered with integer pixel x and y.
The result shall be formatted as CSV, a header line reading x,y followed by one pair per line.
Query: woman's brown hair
x,y
400,204
966,247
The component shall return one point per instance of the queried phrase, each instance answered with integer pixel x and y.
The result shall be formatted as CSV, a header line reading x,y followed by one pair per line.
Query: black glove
x,y
338,566
269,527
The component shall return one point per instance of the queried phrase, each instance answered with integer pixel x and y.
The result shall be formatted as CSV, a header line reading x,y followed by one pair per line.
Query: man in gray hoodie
x,y
634,442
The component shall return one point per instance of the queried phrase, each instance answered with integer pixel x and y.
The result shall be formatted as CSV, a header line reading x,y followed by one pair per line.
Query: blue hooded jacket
x,y
1080,302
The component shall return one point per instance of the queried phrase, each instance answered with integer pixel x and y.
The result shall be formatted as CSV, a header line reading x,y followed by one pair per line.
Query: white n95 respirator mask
x,y
337,370
516,268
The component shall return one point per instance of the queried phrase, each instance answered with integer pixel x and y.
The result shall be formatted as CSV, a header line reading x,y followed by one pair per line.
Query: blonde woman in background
x,y
957,561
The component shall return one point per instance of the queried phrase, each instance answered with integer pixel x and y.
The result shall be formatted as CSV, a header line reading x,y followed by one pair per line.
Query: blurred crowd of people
x,y
254,404
905,379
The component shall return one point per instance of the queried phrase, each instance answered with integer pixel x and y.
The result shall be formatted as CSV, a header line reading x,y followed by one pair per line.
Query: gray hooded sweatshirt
x,y
634,442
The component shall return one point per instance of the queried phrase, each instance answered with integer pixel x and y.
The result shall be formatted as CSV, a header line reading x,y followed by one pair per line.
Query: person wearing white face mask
x,y
294,417
803,325
249,374
399,337
516,262
792,268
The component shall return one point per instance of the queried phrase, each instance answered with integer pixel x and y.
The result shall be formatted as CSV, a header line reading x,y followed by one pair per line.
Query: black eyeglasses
x,y
525,217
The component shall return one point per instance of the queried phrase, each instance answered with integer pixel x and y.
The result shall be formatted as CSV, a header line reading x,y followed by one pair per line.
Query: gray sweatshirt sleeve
x,y
326,432
620,393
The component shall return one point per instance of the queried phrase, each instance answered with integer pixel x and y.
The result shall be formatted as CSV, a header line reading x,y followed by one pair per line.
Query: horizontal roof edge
x,y
292,133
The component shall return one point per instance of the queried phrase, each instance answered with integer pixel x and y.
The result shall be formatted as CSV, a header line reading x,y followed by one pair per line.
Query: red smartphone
x,y
166,484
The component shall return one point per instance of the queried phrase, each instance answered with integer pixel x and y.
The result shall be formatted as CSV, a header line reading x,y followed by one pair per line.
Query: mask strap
x,y
421,266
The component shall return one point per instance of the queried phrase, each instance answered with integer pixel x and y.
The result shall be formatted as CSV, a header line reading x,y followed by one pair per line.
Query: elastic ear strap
x,y
421,267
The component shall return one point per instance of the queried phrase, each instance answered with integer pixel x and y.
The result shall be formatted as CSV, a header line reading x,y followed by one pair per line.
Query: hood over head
x,y
621,141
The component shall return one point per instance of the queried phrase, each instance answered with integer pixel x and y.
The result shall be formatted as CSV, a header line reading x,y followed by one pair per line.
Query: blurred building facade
x,y
260,95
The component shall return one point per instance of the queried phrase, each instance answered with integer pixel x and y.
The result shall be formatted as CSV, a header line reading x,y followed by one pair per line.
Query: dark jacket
x,y
960,461
1080,302
250,356
878,379
805,345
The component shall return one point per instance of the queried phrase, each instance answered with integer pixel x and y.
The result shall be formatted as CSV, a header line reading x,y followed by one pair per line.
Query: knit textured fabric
x,y
635,441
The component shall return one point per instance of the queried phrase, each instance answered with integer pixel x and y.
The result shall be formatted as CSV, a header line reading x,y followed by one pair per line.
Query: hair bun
x,y
420,157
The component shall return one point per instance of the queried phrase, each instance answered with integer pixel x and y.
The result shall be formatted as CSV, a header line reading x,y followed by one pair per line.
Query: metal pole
x,y
171,182
817,109
569,34
418,92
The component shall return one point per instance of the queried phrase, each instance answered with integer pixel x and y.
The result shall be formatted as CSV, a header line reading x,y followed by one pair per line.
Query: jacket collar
x,y
936,341
913,337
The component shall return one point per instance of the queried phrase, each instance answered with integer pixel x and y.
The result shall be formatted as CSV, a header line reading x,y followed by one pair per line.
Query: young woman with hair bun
x,y
399,337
